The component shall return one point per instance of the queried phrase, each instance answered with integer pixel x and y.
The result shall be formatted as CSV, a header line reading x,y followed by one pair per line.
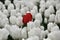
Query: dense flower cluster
x,y
30,20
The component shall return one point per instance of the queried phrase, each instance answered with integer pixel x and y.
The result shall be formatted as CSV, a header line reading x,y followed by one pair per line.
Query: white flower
x,y
51,18
15,1
51,9
4,21
43,34
47,13
19,21
33,12
35,8
42,3
4,34
6,12
29,4
30,25
48,3
13,12
7,2
54,35
46,32
58,6
42,28
42,9
50,25
35,32
23,12
14,31
3,7
18,14
37,23
17,10
17,4
12,19
24,32
57,17
38,16
2,15
33,38
10,7
55,28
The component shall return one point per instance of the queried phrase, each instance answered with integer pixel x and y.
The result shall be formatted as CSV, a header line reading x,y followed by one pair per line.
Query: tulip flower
x,y
27,18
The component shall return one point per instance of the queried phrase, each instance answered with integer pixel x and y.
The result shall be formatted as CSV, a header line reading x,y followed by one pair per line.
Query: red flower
x,y
27,18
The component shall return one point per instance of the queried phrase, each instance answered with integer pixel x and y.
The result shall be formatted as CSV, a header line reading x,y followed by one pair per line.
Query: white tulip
x,y
6,12
37,23
24,32
54,35
33,38
46,32
17,4
23,12
57,17
33,13
55,28
4,21
30,5
13,19
52,18
17,10
18,14
2,15
47,13
58,6
14,31
43,34
19,21
49,3
38,16
4,34
42,9
50,25
30,25
7,2
35,32
42,28
42,3
13,13
51,9
3,7
35,8
10,7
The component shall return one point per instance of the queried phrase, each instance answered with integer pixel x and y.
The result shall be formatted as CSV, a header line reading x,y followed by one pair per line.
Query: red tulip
x,y
27,18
